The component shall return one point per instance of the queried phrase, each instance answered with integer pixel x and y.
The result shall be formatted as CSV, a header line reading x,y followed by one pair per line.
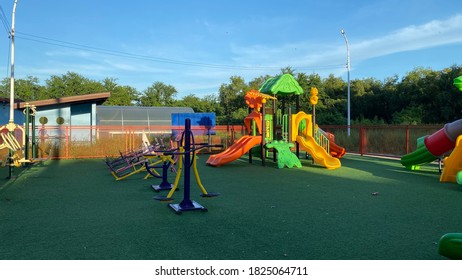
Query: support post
x,y
263,134
34,141
26,131
187,204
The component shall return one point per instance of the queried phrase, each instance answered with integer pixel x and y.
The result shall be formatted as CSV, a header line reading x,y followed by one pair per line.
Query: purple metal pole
x,y
187,203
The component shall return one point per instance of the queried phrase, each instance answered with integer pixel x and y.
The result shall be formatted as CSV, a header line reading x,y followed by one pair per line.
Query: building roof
x,y
98,98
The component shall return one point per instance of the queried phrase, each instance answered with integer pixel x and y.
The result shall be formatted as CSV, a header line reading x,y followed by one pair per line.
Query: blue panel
x,y
81,114
52,113
197,119
19,117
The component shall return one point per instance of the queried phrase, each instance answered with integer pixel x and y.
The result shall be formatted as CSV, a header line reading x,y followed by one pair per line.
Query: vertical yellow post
x,y
314,100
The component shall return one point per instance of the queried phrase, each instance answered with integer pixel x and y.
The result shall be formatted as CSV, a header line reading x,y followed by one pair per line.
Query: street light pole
x,y
11,121
11,126
348,68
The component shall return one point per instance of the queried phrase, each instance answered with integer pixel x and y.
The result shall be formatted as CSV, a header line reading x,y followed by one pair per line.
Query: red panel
x,y
438,143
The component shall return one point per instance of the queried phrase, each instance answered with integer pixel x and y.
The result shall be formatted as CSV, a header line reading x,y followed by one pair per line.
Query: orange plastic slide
x,y
336,150
235,151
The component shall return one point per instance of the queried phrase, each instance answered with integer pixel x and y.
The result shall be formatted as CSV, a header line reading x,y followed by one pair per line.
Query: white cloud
x,y
68,53
330,57
322,57
410,38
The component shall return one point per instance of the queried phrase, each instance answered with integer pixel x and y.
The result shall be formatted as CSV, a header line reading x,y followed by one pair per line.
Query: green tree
x,y
288,70
415,90
332,107
389,95
422,96
231,98
409,115
71,84
120,95
158,94
28,89
192,101
207,104
211,103
452,98
258,82
366,101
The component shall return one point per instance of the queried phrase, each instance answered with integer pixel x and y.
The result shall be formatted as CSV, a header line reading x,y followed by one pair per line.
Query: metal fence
x,y
387,140
66,142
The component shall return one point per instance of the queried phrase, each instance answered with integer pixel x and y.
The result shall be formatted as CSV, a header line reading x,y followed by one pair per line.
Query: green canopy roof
x,y
458,82
281,85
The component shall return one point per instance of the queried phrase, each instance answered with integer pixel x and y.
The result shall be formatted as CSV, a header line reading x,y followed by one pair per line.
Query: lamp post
x,y
11,121
11,126
348,68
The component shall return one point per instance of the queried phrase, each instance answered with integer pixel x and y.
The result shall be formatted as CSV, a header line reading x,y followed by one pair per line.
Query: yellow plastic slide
x,y
453,163
235,151
318,153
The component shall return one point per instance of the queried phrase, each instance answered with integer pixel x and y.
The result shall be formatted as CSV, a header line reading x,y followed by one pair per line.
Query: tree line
x,y
422,96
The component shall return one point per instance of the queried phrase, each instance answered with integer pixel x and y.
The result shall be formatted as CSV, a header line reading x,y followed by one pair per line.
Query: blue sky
x,y
196,46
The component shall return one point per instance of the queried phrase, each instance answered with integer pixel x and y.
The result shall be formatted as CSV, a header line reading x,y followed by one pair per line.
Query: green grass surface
x,y
75,209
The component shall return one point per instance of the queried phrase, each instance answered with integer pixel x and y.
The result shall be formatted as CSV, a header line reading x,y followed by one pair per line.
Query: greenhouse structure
x,y
137,116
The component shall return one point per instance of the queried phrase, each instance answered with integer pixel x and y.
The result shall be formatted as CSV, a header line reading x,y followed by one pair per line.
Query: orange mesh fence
x,y
66,142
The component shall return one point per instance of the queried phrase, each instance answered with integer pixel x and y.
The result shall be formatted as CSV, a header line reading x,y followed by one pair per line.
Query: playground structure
x,y
433,147
436,146
274,129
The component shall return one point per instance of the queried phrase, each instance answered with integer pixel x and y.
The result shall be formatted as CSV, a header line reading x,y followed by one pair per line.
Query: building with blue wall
x,y
72,110
87,110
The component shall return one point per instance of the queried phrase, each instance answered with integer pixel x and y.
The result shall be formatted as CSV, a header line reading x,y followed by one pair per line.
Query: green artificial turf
x,y
370,208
